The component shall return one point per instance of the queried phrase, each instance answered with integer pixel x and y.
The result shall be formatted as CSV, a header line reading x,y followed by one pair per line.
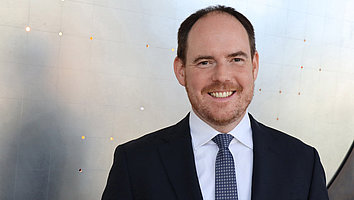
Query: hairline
x,y
183,37
214,12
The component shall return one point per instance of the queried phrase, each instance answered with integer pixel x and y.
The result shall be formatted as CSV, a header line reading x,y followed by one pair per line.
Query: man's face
x,y
219,72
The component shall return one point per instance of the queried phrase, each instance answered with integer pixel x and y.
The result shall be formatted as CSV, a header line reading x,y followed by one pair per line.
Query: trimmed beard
x,y
206,114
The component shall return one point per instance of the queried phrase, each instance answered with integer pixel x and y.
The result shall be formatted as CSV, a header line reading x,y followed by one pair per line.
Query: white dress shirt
x,y
205,151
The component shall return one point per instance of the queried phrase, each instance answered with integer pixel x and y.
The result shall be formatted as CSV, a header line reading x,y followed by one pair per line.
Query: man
x,y
218,151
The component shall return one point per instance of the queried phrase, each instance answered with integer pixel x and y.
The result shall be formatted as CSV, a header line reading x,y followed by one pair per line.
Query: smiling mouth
x,y
221,94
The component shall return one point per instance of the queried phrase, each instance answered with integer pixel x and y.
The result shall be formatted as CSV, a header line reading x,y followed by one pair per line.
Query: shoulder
x,y
161,136
278,140
288,159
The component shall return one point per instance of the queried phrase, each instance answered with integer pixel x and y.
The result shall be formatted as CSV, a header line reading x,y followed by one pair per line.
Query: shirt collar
x,y
202,133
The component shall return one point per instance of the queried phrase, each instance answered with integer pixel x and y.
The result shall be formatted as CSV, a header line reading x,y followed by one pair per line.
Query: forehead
x,y
217,30
218,17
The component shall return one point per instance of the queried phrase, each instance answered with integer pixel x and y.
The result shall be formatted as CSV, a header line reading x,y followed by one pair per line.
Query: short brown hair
x,y
188,23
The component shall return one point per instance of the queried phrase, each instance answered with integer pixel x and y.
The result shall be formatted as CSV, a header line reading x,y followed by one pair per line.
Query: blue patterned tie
x,y
225,175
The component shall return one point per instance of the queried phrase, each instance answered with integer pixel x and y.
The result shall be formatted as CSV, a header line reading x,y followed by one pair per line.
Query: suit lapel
x,y
265,163
178,159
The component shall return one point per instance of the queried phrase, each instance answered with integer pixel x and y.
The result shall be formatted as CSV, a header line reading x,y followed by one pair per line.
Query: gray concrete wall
x,y
108,77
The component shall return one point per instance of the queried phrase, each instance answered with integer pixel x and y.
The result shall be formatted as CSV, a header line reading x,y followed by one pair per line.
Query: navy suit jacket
x,y
160,166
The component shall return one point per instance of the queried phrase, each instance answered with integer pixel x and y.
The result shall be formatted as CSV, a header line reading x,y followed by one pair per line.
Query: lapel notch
x,y
265,163
178,159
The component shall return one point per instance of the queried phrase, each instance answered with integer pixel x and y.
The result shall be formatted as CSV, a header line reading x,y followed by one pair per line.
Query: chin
x,y
224,120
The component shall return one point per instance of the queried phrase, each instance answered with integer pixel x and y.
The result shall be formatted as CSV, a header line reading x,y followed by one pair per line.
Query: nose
x,y
221,73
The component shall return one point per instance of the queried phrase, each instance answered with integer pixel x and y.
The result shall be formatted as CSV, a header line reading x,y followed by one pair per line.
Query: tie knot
x,y
223,140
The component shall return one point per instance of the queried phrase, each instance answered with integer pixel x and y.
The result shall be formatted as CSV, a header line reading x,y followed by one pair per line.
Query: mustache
x,y
219,86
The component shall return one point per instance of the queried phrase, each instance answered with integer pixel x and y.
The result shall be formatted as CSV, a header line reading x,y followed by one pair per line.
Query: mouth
x,y
221,94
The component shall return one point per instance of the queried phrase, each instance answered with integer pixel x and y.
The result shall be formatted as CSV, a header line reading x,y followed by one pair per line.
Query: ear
x,y
255,65
180,71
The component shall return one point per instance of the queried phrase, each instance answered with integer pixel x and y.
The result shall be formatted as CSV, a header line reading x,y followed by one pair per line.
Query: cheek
x,y
194,85
195,81
246,80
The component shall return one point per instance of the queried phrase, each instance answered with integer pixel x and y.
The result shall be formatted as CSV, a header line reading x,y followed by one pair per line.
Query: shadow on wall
x,y
9,119
36,158
341,185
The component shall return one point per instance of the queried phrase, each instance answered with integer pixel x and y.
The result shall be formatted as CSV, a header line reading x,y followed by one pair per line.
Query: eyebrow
x,y
239,53
197,59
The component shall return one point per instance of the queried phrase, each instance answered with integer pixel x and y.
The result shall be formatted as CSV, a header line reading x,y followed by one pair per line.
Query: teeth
x,y
221,94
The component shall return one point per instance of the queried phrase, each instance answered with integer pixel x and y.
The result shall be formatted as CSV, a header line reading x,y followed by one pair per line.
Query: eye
x,y
204,63
236,59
